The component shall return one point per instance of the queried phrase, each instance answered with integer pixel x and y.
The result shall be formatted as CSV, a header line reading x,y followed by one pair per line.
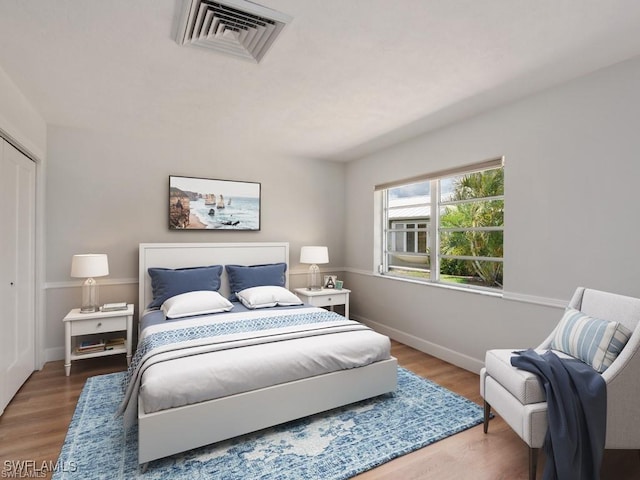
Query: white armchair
x,y
518,397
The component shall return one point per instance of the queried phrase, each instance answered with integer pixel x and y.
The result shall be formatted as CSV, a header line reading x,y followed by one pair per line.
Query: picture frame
x,y
211,204
330,281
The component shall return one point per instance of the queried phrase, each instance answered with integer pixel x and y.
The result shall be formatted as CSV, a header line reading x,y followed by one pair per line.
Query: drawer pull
x,y
99,324
329,298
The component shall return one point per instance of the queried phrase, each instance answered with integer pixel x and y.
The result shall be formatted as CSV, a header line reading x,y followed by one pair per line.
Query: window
x,y
446,227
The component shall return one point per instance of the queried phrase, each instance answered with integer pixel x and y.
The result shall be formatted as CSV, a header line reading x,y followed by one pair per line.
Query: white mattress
x,y
206,376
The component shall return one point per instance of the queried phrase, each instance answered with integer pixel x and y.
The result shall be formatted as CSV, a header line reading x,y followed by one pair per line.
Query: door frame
x,y
39,247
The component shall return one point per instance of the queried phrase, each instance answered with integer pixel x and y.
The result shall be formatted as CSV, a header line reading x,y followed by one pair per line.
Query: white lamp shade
x,y
89,265
314,255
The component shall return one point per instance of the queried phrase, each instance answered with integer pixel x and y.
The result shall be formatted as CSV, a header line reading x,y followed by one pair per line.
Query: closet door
x,y
17,263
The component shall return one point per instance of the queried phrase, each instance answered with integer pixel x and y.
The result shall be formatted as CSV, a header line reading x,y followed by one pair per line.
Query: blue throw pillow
x,y
242,277
167,282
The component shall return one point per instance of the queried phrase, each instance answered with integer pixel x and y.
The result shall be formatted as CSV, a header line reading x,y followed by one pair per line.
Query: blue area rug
x,y
334,445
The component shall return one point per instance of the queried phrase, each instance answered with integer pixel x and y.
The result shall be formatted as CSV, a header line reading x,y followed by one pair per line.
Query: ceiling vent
x,y
236,27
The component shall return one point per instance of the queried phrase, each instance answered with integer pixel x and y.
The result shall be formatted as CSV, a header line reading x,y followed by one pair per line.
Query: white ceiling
x,y
345,77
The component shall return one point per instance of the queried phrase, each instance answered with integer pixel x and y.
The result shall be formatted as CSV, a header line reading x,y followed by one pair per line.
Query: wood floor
x,y
34,425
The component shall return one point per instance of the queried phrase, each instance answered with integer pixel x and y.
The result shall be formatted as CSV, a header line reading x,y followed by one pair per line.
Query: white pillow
x,y
195,303
267,296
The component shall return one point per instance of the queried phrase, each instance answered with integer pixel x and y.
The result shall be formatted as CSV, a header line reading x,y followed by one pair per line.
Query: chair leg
x,y
533,462
487,415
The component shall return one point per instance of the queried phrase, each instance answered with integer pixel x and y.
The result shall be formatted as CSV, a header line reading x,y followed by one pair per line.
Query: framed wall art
x,y
211,204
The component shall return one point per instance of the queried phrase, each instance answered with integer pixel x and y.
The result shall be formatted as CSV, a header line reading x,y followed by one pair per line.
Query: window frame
x,y
434,229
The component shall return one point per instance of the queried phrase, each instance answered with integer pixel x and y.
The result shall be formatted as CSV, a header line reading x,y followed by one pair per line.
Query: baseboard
x,y
53,354
456,358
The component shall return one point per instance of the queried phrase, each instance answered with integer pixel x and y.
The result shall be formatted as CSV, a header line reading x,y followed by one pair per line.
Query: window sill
x,y
448,286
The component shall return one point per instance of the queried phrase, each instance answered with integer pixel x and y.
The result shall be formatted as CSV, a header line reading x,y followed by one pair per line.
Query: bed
x,y
174,428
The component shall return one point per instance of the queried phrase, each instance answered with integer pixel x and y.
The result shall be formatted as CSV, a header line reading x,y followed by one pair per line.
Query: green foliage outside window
x,y
480,213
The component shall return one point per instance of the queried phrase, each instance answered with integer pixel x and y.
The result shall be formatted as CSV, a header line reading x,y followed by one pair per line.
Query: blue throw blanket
x,y
577,413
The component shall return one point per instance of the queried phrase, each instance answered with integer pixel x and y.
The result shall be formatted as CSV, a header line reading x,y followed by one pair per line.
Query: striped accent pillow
x,y
594,341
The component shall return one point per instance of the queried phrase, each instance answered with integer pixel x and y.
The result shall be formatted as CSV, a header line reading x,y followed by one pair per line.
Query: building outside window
x,y
446,227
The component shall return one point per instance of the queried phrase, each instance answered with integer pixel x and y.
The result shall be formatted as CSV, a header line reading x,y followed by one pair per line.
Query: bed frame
x,y
176,430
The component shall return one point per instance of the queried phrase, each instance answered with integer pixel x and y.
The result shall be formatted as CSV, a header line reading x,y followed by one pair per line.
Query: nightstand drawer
x,y
89,326
328,300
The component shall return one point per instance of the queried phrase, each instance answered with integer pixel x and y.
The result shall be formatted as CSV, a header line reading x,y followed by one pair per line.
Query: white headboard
x,y
177,255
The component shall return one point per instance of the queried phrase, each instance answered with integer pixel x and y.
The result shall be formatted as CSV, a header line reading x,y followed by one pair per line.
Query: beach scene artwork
x,y
210,204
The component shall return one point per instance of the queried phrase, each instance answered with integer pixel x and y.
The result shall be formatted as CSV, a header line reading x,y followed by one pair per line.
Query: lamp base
x,y
89,296
314,278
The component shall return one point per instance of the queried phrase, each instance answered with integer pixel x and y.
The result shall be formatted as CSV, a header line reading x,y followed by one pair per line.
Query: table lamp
x,y
313,256
87,266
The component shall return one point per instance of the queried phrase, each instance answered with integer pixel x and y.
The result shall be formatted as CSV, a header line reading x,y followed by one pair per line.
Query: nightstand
x,y
94,327
327,297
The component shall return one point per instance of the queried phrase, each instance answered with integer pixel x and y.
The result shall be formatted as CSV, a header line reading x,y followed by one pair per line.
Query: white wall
x,y
108,194
570,209
20,119
572,179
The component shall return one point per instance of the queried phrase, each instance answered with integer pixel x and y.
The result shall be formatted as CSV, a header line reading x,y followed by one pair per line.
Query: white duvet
x,y
202,373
